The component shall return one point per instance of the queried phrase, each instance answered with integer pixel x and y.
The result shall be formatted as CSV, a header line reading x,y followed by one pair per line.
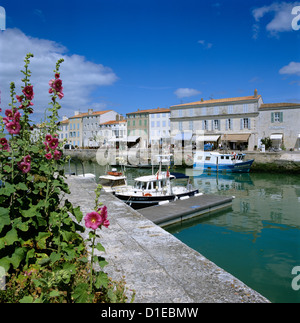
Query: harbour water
x,y
258,240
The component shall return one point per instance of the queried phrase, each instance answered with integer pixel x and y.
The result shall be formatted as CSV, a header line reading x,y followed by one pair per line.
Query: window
x,y
204,125
152,124
245,123
229,124
216,110
164,124
276,117
191,112
216,125
145,122
77,126
245,108
140,122
230,109
190,125
179,113
157,123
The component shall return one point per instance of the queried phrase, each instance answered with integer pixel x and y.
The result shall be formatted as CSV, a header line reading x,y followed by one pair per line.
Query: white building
x,y
231,122
281,123
159,125
91,124
113,131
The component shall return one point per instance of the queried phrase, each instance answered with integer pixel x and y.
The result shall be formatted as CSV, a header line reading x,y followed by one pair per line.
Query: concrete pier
x,y
159,267
184,209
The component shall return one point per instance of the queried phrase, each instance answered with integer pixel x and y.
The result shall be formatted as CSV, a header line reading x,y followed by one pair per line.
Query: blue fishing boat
x,y
216,162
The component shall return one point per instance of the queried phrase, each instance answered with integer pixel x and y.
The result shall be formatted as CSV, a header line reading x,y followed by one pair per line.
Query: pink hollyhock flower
x,y
51,83
57,75
13,127
50,90
9,113
28,92
3,141
4,147
24,167
57,85
5,120
103,214
57,154
53,143
60,95
46,146
27,159
48,156
48,138
93,220
20,98
0,110
17,116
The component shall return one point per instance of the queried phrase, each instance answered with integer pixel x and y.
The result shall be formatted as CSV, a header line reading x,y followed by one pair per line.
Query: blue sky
x,y
127,55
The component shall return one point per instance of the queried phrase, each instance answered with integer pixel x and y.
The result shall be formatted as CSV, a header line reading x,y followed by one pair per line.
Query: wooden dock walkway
x,y
184,209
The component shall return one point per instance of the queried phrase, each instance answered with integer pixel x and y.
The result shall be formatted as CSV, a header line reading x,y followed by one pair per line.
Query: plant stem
x,y
92,262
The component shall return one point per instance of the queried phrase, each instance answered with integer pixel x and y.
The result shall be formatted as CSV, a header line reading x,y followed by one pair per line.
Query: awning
x,y
276,137
208,138
299,135
183,136
236,137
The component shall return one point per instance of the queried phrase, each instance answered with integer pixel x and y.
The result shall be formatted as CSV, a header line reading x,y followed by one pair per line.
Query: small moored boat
x,y
216,162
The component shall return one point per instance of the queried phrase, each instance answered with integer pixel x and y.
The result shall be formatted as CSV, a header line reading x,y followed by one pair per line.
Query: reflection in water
x,y
258,241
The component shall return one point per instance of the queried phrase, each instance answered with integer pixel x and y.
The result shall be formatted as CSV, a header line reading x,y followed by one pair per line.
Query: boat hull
x,y
138,202
242,167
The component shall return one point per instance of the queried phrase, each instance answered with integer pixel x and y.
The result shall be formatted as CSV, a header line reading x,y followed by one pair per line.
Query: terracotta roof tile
x,y
226,100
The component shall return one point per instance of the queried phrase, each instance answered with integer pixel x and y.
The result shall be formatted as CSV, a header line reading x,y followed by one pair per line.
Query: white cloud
x,y
293,68
186,93
205,44
281,17
80,77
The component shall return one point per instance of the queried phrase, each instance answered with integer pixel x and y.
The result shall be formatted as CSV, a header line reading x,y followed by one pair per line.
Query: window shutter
x,y
219,125
212,124
226,124
241,124
249,123
272,117
281,116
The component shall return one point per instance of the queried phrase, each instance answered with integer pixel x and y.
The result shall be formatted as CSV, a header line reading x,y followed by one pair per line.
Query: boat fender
x,y
147,194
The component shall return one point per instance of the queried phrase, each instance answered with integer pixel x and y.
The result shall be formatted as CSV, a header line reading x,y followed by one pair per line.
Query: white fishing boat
x,y
113,180
217,162
153,189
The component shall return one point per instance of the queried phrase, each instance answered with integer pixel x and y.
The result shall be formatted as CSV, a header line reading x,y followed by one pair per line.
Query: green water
x,y
258,240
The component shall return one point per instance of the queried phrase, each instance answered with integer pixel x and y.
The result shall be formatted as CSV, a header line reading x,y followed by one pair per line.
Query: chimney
x,y
65,118
76,113
202,100
255,93
90,112
117,117
121,117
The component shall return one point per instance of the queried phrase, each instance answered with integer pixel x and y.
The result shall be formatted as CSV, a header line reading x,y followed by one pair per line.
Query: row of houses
x,y
234,123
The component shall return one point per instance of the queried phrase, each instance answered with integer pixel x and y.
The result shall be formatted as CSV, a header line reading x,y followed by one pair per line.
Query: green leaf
x,y
80,294
5,263
78,214
22,186
41,239
4,217
55,257
23,226
17,257
101,280
11,237
100,247
54,293
26,299
8,189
